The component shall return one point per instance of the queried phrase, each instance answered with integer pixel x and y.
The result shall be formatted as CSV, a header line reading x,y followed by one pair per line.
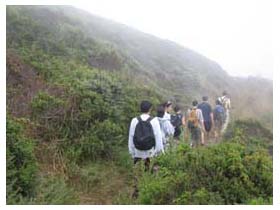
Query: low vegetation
x,y
71,93
236,171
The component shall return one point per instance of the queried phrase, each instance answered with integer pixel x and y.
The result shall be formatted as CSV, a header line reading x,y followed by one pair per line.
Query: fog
x,y
235,33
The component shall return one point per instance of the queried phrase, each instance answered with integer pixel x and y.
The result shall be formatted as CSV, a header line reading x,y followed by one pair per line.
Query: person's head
x,y
195,103
145,106
168,106
160,111
218,102
224,93
177,109
204,98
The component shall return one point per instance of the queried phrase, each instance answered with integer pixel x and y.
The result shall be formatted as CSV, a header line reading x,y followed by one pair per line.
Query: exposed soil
x,y
23,83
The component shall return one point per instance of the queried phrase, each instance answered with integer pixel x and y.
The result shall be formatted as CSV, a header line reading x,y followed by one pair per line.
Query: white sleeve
x,y
158,136
131,147
169,128
200,116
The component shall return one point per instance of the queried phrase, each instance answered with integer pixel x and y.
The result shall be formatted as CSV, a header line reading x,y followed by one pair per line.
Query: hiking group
x,y
150,136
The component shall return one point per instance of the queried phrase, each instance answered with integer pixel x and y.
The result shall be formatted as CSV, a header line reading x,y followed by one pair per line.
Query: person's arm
x,y
131,147
201,120
212,119
169,128
202,126
211,114
184,121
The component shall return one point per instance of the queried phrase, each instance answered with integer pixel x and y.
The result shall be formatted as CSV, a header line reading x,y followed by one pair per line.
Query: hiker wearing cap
x,y
166,127
145,138
195,125
207,113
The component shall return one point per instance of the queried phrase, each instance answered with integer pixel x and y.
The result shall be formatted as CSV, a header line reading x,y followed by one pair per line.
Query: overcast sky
x,y
235,33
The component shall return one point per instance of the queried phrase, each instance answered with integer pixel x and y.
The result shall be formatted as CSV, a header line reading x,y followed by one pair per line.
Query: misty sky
x,y
235,33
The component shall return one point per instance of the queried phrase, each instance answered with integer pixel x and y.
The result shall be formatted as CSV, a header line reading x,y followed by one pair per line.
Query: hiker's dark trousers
x,y
147,162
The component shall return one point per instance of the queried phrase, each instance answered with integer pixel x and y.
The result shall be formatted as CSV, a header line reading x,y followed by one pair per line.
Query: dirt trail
x,y
111,181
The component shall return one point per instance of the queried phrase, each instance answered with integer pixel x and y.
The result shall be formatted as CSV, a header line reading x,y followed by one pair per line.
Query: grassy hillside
x,y
74,81
173,71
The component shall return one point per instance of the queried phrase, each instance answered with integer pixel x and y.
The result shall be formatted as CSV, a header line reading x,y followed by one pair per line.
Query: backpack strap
x,y
139,119
148,120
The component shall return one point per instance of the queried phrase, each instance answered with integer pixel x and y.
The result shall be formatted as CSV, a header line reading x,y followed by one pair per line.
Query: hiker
x,y
219,118
195,125
144,141
207,113
145,138
168,108
166,127
225,101
177,120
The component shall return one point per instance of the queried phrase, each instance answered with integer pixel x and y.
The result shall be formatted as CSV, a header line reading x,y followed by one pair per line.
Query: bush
x,y
199,197
43,102
261,201
100,141
162,189
227,173
21,163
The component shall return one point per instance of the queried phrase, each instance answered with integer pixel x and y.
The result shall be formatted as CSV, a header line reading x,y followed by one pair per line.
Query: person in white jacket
x,y
168,108
167,129
225,100
145,155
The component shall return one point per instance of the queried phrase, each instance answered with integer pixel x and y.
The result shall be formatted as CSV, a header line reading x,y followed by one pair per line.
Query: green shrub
x,y
162,189
227,173
43,102
100,141
199,197
21,163
261,201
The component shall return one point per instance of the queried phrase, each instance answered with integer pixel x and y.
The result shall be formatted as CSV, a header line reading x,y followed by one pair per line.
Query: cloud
x,y
234,33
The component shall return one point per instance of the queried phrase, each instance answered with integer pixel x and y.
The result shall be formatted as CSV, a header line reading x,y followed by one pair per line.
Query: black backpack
x,y
144,138
176,120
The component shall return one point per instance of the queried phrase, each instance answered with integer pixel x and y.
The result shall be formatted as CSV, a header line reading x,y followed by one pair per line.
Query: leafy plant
x,y
21,163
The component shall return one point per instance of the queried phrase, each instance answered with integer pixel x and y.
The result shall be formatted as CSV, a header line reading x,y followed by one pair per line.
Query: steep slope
x,y
172,71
